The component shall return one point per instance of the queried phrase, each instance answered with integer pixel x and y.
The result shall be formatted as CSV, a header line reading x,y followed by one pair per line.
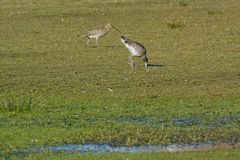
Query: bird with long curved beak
x,y
99,32
136,49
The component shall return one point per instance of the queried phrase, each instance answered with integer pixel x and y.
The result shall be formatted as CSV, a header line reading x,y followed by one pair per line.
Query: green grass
x,y
16,102
56,90
221,154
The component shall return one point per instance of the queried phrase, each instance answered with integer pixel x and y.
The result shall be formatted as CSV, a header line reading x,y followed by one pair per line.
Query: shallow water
x,y
106,148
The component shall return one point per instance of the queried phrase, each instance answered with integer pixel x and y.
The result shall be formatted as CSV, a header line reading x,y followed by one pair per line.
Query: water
x,y
106,148
216,122
186,121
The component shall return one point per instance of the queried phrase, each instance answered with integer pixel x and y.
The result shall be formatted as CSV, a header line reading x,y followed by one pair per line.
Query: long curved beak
x,y
116,29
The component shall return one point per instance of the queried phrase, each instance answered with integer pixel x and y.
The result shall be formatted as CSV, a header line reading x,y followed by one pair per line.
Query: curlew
x,y
136,49
99,32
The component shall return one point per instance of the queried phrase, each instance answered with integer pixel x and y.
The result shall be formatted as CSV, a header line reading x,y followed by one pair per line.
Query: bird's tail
x,y
144,58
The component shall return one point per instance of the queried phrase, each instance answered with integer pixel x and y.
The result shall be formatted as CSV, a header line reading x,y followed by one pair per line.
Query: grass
x,y
220,154
182,3
174,24
16,102
56,90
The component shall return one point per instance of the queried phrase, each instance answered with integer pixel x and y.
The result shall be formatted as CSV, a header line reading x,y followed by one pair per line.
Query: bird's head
x,y
124,39
108,25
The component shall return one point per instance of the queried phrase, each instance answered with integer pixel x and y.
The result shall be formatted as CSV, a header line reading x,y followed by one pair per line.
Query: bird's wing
x,y
137,45
92,32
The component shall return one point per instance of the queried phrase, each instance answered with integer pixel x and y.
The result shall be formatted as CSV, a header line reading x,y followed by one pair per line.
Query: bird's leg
x,y
88,41
145,60
97,42
131,61
145,63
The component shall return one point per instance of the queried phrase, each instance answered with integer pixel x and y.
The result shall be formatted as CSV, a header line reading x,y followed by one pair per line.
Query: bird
x,y
98,32
136,49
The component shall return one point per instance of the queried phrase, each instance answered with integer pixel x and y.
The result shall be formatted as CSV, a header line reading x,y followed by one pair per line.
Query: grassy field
x,y
56,90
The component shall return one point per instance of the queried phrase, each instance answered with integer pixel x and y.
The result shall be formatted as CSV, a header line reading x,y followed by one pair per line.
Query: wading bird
x,y
99,32
136,49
